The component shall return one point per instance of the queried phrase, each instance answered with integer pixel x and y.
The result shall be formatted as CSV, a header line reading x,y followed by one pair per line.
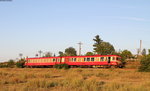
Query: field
x,y
75,79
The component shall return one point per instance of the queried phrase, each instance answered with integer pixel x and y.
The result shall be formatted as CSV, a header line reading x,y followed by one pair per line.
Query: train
x,y
76,61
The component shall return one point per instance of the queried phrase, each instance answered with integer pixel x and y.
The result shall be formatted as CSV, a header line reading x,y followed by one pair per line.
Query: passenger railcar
x,y
77,61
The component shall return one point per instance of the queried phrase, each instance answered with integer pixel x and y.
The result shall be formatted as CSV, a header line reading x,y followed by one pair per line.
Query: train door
x,y
56,61
109,58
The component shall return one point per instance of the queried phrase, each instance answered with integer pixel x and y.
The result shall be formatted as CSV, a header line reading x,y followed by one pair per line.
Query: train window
x,y
113,58
92,59
102,58
106,58
54,59
88,59
70,59
74,60
118,58
84,59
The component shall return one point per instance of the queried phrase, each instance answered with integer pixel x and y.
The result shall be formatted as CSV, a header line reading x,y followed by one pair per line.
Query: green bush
x,y
3,65
61,66
11,63
20,64
145,64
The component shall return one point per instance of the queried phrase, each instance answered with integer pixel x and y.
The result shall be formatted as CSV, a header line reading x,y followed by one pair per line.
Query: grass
x,y
74,79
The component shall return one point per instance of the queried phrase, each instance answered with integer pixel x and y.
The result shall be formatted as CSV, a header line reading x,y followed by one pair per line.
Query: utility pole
x,y
140,47
20,54
80,48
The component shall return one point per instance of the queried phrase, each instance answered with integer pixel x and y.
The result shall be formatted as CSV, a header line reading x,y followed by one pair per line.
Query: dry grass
x,y
76,79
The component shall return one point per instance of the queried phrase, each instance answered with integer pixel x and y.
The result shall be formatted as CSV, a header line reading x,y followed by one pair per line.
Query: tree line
x,y
100,47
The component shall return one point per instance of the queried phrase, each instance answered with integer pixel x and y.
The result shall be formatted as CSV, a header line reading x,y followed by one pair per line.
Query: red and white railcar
x,y
89,61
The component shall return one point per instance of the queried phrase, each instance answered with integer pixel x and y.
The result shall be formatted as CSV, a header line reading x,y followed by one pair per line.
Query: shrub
x,y
11,63
61,66
20,63
145,64
2,65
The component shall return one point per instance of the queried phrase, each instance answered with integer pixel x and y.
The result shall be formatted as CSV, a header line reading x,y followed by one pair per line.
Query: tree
x,y
148,51
126,54
97,40
11,63
40,52
101,47
70,51
61,54
54,55
89,54
145,64
48,54
144,52
20,63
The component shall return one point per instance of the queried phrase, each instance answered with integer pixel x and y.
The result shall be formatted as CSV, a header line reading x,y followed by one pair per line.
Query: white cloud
x,y
133,18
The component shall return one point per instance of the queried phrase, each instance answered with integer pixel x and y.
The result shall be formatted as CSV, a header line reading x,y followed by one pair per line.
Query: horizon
x,y
53,26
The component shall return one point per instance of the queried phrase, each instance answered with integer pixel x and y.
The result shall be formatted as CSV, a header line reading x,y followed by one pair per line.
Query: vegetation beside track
x,y
74,79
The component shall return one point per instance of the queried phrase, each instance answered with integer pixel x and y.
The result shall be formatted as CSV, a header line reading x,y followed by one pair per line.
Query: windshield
x,y
118,58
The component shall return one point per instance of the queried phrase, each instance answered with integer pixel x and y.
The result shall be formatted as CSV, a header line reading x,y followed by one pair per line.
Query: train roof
x,y
74,56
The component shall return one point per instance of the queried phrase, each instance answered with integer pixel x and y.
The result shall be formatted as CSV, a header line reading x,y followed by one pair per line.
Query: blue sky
x,y
27,26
